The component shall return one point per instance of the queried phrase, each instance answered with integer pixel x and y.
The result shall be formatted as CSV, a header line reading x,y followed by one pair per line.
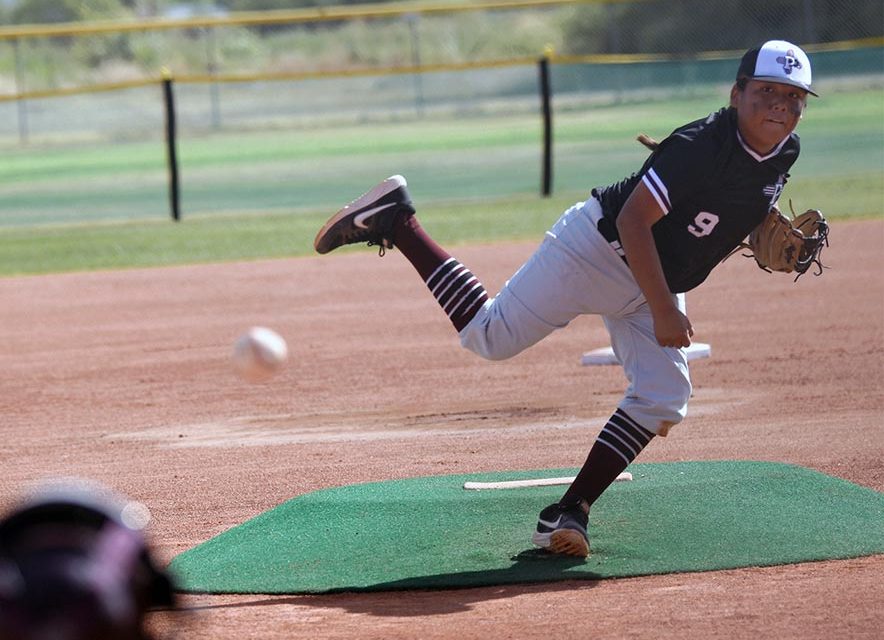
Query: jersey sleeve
x,y
677,169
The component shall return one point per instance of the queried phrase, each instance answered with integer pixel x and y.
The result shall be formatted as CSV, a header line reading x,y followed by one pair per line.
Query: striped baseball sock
x,y
455,288
457,291
618,444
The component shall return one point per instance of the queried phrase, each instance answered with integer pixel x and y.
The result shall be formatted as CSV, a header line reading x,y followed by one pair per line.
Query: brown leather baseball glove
x,y
783,244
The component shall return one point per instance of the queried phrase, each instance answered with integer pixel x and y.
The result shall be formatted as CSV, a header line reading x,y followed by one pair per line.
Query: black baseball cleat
x,y
369,218
562,529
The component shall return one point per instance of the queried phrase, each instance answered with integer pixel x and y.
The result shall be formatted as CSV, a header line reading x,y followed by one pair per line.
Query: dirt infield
x,y
123,377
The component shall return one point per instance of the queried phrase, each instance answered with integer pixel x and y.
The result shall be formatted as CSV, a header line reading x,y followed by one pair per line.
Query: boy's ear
x,y
735,92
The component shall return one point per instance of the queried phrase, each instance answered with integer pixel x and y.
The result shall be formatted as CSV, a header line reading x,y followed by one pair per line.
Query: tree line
x,y
649,26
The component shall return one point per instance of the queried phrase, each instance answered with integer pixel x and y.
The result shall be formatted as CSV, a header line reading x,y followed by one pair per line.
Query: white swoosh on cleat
x,y
360,219
551,525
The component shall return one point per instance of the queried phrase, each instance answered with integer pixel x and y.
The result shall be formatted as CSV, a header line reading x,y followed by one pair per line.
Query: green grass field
x,y
250,195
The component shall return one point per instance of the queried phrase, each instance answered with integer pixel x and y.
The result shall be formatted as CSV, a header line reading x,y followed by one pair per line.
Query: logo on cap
x,y
789,62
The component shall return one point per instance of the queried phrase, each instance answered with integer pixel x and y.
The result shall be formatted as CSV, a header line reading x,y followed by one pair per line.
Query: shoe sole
x,y
563,541
387,186
568,542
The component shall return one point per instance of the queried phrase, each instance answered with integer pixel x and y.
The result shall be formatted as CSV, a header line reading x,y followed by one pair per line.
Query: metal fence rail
x,y
103,110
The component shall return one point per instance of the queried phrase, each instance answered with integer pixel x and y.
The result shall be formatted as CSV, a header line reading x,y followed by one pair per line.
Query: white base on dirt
x,y
533,482
605,355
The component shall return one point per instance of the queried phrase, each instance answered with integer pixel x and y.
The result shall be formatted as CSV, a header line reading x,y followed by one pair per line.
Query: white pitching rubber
x,y
533,482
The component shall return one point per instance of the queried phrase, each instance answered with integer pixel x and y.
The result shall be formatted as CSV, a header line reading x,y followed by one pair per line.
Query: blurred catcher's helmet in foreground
x,y
74,565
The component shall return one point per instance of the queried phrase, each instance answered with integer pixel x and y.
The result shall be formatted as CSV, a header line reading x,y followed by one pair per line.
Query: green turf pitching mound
x,y
431,533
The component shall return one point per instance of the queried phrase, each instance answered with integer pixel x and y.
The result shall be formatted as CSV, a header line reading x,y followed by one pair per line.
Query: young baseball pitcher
x,y
628,254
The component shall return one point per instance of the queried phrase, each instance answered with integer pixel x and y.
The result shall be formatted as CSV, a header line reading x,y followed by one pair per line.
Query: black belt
x,y
609,233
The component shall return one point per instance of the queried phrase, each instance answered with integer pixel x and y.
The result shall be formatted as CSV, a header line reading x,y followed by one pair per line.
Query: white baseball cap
x,y
777,61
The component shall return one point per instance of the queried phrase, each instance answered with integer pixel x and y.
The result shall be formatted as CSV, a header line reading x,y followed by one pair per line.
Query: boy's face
x,y
767,112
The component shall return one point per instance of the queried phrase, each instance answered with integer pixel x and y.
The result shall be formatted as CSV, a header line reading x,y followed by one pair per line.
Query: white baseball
x,y
258,354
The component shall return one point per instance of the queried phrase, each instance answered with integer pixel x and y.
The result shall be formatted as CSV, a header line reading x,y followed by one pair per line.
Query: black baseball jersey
x,y
713,189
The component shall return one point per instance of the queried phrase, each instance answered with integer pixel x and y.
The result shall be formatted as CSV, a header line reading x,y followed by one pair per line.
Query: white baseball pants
x,y
576,271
